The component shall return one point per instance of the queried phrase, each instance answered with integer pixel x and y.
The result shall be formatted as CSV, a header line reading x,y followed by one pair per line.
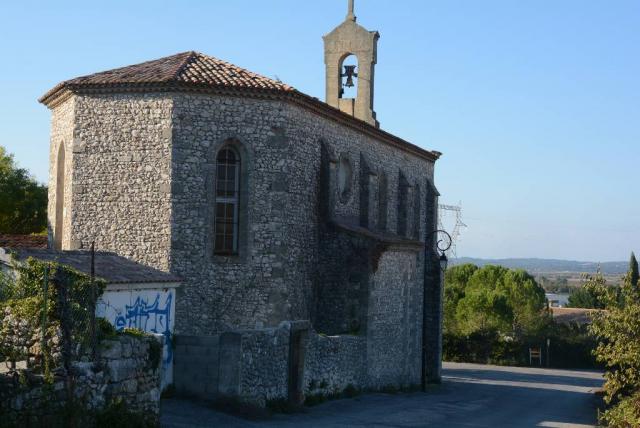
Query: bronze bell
x,y
349,73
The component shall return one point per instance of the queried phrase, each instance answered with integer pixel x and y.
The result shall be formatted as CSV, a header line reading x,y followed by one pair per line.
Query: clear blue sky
x,y
534,103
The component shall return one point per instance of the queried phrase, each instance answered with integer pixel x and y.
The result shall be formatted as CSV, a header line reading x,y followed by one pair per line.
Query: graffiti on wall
x,y
146,316
150,312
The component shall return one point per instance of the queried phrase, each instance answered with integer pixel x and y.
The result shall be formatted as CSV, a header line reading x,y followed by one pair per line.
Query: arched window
x,y
227,201
59,206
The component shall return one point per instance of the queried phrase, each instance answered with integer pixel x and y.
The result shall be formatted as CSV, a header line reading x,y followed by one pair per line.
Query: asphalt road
x,y
470,396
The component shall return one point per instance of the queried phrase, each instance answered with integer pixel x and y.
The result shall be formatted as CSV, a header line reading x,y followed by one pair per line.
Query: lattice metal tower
x,y
456,212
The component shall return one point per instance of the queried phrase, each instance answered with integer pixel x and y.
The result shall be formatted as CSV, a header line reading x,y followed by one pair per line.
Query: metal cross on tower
x,y
350,15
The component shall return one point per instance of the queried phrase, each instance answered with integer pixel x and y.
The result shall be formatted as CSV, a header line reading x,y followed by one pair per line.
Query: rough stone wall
x,y
121,173
276,273
342,292
197,365
271,279
62,134
144,174
433,298
334,362
21,340
264,364
124,371
395,322
251,365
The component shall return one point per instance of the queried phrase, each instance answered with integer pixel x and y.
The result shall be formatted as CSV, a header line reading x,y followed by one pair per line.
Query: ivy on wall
x,y
39,302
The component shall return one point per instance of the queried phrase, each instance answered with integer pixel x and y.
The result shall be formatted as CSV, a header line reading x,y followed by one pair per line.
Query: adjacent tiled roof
x,y
23,241
114,269
196,72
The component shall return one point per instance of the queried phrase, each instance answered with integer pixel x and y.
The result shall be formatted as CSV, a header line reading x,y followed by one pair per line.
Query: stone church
x,y
301,231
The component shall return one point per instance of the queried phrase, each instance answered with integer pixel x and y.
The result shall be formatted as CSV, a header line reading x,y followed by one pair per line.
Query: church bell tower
x,y
350,41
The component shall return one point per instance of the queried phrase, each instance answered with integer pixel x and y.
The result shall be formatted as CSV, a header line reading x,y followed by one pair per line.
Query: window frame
x,y
226,200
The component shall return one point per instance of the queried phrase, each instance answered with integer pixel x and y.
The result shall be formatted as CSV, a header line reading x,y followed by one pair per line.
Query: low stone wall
x,y
250,365
126,368
333,363
264,364
254,365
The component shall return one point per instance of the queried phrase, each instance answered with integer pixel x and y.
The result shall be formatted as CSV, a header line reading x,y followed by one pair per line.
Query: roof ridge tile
x,y
190,55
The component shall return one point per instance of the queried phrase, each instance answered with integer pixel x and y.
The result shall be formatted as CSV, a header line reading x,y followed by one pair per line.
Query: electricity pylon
x,y
451,210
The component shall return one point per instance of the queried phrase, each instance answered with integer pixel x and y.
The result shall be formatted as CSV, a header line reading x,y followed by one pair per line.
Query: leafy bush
x,y
24,294
116,414
625,414
584,298
104,329
618,332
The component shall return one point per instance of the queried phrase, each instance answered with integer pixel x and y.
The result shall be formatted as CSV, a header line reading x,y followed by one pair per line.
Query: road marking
x,y
550,424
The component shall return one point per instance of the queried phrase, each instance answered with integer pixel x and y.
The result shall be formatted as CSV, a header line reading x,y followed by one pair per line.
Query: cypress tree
x,y
633,270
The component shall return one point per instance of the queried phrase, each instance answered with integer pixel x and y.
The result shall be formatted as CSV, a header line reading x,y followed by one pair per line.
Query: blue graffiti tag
x,y
150,318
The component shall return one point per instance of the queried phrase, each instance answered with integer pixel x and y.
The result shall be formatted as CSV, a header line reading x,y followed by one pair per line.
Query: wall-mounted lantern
x,y
443,243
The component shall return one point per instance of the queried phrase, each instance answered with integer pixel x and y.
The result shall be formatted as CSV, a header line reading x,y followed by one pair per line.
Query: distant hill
x,y
539,266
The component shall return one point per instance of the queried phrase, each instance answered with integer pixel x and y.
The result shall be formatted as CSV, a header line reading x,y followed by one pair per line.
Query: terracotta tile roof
x,y
23,241
196,72
189,68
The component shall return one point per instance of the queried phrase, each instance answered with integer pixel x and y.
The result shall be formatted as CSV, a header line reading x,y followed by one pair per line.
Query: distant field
x,y
555,270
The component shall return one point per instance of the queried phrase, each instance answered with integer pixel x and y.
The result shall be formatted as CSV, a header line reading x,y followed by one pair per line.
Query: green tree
x,y
456,279
493,298
527,300
584,297
23,201
633,270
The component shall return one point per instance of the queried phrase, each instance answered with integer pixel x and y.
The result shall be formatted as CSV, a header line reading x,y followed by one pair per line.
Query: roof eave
x,y
64,90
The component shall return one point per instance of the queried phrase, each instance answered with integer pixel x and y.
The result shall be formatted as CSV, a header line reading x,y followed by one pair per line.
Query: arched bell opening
x,y
349,77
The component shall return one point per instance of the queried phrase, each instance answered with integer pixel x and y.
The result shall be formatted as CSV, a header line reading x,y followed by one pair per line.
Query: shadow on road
x,y
470,396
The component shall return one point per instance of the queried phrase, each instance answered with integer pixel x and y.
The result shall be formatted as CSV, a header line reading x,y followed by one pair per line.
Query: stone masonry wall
x,y
342,295
62,135
276,273
264,364
121,173
332,363
394,327
271,279
123,371
144,181
251,365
